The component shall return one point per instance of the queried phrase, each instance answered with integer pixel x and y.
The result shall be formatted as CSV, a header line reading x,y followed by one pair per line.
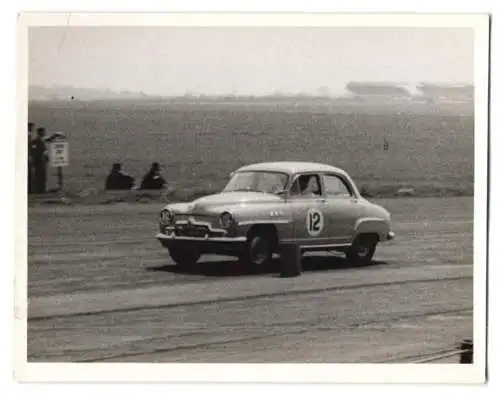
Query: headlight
x,y
166,217
226,220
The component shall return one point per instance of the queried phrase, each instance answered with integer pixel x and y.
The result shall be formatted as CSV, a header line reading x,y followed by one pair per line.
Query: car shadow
x,y
232,268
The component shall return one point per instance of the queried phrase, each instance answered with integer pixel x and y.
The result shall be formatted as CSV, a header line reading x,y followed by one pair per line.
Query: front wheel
x,y
362,250
258,251
184,257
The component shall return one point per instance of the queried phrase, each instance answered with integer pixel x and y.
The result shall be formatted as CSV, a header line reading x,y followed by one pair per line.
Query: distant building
x,y
377,89
450,92
419,91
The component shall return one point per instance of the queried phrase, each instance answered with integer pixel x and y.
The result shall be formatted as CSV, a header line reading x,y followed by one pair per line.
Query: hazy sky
x,y
254,60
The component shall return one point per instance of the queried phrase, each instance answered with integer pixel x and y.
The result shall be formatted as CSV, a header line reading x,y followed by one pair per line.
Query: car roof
x,y
292,167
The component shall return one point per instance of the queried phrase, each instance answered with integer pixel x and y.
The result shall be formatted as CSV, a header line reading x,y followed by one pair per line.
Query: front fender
x,y
178,208
280,219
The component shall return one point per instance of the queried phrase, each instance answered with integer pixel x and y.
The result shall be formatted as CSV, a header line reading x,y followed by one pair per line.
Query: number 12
x,y
314,220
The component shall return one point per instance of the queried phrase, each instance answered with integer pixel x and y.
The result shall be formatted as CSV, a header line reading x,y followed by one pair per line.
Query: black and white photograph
x,y
302,193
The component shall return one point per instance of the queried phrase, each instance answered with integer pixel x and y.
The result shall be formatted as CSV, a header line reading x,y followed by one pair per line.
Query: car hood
x,y
223,201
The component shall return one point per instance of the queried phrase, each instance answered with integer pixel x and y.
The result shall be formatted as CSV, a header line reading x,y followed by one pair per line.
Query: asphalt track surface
x,y
101,288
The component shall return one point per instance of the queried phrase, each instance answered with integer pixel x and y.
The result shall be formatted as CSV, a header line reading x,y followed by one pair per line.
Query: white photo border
x,y
263,373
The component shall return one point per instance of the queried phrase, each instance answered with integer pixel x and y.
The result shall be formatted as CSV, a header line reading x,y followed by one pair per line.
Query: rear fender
x,y
378,226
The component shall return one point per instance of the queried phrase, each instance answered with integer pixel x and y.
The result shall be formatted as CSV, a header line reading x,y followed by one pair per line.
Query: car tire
x,y
185,258
258,251
362,249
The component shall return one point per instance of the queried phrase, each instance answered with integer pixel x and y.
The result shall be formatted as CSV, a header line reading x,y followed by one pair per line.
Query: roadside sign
x,y
59,155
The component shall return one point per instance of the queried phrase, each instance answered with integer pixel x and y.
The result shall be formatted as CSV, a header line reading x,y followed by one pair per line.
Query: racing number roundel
x,y
314,222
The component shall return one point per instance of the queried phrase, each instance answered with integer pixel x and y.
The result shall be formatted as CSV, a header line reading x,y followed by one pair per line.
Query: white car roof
x,y
292,167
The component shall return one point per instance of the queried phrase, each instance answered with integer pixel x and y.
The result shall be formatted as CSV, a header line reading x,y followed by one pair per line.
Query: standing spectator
x,y
118,180
31,125
40,158
153,178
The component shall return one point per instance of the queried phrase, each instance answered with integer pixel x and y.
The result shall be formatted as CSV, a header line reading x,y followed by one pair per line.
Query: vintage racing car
x,y
265,205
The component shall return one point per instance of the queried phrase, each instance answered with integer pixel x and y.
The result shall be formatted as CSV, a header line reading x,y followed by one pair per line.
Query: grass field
x,y
198,145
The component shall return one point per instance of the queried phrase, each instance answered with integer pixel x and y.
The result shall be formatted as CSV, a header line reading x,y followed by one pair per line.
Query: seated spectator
x,y
117,180
153,178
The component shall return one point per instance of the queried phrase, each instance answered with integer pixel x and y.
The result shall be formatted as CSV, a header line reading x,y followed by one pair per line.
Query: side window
x,y
306,185
335,186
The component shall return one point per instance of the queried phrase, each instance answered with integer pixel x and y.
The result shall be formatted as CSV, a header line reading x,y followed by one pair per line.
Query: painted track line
x,y
399,317
70,305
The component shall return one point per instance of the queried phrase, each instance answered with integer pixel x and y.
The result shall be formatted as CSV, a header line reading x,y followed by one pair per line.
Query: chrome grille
x,y
190,225
192,231
201,219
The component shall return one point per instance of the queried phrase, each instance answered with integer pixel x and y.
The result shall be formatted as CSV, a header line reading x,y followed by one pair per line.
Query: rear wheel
x,y
362,250
186,258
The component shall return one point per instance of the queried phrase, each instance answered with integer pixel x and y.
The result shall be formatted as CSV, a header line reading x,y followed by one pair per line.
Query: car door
x,y
343,208
308,207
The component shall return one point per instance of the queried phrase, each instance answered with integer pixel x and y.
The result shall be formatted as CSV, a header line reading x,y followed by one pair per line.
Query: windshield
x,y
257,181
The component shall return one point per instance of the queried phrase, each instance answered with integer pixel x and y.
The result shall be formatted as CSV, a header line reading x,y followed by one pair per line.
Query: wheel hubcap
x,y
259,251
363,251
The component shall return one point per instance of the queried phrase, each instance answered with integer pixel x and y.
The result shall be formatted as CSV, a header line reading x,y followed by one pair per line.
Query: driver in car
x,y
307,185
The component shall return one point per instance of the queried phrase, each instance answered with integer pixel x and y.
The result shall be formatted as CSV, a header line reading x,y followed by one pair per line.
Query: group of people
x,y
118,180
38,159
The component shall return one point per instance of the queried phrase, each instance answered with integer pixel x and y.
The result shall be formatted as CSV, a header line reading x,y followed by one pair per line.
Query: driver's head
x,y
313,185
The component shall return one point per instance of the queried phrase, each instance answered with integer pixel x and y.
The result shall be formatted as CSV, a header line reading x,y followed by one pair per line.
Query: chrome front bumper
x,y
206,239
206,245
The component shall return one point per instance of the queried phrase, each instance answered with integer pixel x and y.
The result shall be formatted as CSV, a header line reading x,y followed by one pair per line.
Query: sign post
x,y
59,157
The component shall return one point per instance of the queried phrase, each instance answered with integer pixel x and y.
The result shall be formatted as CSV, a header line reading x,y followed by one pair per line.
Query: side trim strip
x,y
315,246
264,222
319,247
